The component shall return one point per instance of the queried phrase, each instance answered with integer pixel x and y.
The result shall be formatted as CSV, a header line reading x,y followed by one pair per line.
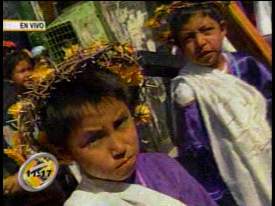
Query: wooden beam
x,y
245,37
48,10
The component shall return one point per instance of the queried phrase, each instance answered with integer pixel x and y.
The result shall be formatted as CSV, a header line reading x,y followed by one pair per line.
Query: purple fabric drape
x,y
159,172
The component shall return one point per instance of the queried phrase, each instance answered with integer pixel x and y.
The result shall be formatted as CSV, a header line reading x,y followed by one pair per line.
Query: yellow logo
x,y
38,172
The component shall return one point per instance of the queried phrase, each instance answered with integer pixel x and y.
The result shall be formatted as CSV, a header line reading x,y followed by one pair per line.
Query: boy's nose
x,y
118,154
118,148
27,76
27,73
200,40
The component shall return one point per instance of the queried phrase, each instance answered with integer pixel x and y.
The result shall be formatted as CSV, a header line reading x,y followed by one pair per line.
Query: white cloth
x,y
234,114
263,13
75,170
183,94
228,46
94,192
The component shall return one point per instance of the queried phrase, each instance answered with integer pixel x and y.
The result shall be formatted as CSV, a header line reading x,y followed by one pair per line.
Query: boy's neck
x,y
128,180
222,63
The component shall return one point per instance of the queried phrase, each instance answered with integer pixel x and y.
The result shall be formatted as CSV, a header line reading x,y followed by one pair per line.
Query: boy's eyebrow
x,y
186,31
122,114
88,135
91,132
203,24
119,115
91,129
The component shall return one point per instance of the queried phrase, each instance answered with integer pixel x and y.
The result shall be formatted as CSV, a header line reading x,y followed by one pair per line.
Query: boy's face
x,y
21,73
201,39
105,144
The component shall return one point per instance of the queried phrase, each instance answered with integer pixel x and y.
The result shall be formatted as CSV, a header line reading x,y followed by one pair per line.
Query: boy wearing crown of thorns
x,y
222,102
90,119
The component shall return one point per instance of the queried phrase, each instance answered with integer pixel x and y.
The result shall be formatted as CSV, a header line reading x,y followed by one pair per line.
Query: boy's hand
x,y
11,185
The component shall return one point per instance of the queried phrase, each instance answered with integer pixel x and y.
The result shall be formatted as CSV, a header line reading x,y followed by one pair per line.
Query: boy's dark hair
x,y
64,107
12,60
181,16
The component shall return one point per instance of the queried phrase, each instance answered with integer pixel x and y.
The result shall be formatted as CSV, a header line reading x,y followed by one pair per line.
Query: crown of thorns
x,y
162,15
118,58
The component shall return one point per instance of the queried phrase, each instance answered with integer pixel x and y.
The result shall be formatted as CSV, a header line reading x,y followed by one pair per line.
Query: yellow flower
x,y
75,48
129,48
162,9
97,45
131,75
137,79
142,113
17,138
152,23
119,48
17,108
69,52
15,154
42,73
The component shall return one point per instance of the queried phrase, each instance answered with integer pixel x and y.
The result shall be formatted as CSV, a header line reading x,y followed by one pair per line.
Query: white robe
x,y
234,114
95,192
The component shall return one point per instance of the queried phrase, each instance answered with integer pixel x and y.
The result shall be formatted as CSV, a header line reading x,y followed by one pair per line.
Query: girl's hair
x,y
12,60
181,17
64,109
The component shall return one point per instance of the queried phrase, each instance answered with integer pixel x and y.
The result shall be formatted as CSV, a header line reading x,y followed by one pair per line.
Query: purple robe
x,y
193,142
159,172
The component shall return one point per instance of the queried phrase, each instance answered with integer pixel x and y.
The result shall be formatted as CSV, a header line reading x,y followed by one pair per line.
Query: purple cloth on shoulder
x,y
162,173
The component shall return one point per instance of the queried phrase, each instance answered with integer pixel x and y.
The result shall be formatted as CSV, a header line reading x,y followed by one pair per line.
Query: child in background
x,y
18,67
221,101
89,120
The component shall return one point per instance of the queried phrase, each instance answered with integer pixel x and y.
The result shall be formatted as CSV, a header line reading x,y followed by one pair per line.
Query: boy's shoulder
x,y
249,65
153,156
160,163
244,57
239,54
78,197
159,169
156,159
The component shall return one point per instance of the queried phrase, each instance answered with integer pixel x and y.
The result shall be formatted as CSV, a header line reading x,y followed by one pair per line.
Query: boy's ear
x,y
61,153
65,157
223,26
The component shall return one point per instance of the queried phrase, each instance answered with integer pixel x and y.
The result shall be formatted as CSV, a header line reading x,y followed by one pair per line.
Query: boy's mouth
x,y
126,161
203,54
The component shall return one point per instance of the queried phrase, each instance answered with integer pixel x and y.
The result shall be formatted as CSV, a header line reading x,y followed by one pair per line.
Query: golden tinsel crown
x,y
117,58
160,20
